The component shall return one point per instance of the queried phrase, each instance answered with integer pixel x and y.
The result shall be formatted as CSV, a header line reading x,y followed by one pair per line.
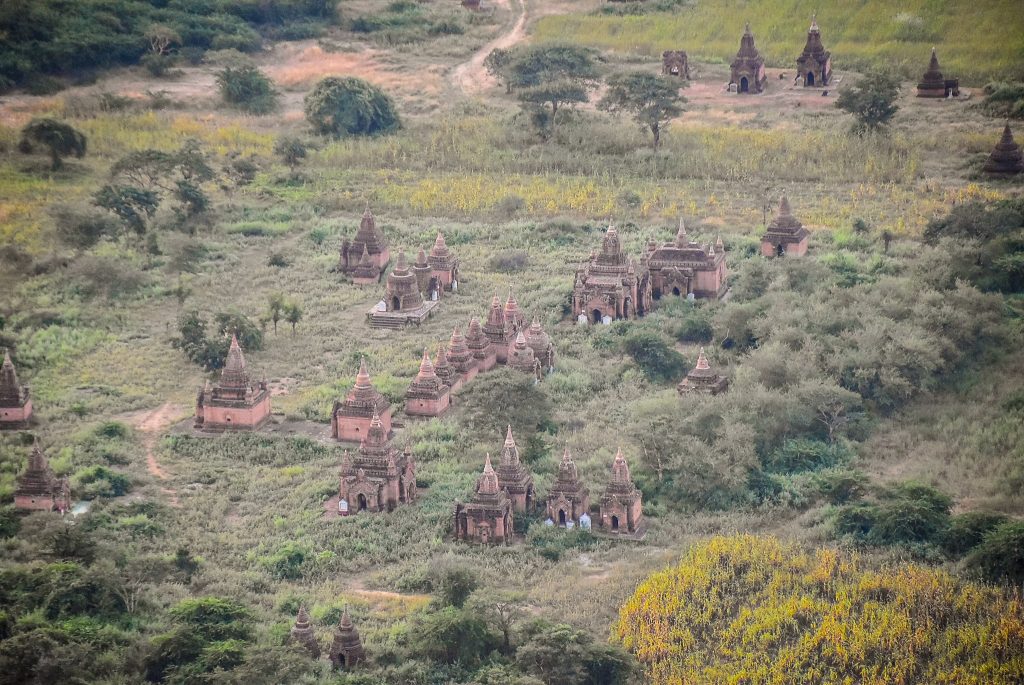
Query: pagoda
x,y
427,395
520,357
933,85
421,269
302,634
514,319
497,331
444,266
747,72
15,398
621,506
350,418
609,286
814,65
568,499
785,234
403,302
347,649
380,477
484,357
682,267
487,518
461,359
443,369
368,239
513,476
236,402
703,379
540,342
366,272
1005,159
675,63
38,488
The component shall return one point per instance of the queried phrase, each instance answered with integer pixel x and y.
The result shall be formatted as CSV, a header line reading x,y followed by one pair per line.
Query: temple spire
x,y
363,377
702,360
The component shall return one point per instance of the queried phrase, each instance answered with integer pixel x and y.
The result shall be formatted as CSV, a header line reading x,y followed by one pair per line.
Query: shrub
x,y
655,357
248,89
99,481
908,512
508,261
350,106
551,542
803,454
1000,556
60,139
967,530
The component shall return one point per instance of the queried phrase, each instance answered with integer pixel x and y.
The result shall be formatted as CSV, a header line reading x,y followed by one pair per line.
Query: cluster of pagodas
x,y
346,650
488,517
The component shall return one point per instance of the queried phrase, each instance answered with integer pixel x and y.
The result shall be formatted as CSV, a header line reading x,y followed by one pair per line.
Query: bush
x,y
508,261
248,89
908,512
99,481
966,531
350,106
1000,556
803,454
655,357
551,542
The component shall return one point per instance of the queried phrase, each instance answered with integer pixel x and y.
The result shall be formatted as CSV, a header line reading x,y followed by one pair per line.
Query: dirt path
x,y
471,77
152,425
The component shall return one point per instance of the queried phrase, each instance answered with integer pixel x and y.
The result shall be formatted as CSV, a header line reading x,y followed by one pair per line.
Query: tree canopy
x,y
59,138
653,100
872,101
350,106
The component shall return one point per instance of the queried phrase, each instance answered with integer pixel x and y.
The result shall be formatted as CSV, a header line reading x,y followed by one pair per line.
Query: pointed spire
x,y
702,360
933,63
784,209
746,29
421,258
346,620
440,247
814,22
302,620
235,361
426,367
363,377
620,469
10,389
401,264
487,484
509,440
37,460
719,245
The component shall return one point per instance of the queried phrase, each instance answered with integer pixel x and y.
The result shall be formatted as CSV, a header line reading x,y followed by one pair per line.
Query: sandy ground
x,y
152,424
471,77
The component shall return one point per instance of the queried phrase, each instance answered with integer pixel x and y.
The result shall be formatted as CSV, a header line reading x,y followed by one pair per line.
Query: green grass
x,y
977,42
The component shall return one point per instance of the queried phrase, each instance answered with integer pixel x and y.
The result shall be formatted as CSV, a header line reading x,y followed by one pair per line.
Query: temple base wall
x,y
13,418
428,407
769,248
233,418
35,503
355,428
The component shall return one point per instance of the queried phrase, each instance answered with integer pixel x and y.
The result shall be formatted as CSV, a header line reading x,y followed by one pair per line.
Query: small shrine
x,y
1006,159
346,649
403,302
747,74
675,63
302,634
461,359
428,395
443,369
568,499
15,398
621,506
368,239
513,476
514,319
444,267
682,267
380,477
814,65
38,488
496,330
484,356
703,379
934,85
520,357
785,234
487,518
609,286
236,402
366,272
351,417
540,342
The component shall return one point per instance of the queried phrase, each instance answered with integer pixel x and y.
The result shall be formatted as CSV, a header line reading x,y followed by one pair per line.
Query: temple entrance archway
x,y
596,316
744,85
361,503
615,522
561,517
780,250
675,291
656,293
396,304
627,308
810,78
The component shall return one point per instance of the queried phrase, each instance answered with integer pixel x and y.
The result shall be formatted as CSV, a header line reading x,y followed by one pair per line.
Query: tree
x,y
552,75
652,100
872,101
61,139
133,206
453,583
161,38
247,88
502,609
655,357
350,106
291,150
293,313
496,63
275,308
1000,556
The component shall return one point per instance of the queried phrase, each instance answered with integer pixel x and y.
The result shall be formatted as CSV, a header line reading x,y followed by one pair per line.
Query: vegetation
x,y
652,100
59,138
872,101
1004,100
248,89
350,106
789,613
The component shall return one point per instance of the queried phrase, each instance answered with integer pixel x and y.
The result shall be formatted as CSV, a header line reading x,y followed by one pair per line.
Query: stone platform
x,y
379,319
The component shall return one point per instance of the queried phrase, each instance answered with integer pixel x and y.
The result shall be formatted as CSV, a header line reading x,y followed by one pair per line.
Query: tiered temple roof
x,y
814,65
38,488
427,395
1006,158
346,649
703,379
15,398
358,407
479,345
366,271
487,518
621,508
568,498
540,342
747,70
442,367
513,315
513,476
785,234
380,477
609,284
302,633
682,267
235,402
459,355
933,84
403,292
521,358
441,258
368,240
421,269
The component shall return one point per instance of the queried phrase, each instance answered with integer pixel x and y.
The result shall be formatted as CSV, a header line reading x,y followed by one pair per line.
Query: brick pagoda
x,y
236,402
703,379
621,506
15,398
487,518
380,477
609,286
350,418
682,267
814,65
568,499
369,239
747,72
444,266
675,63
366,271
346,649
521,358
1006,159
403,302
934,85
302,634
785,234
484,355
540,342
497,330
461,359
513,476
38,488
428,395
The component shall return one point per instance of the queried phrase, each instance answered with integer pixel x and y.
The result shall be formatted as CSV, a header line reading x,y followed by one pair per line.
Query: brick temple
x,y
785,234
568,498
814,65
403,302
934,85
351,417
702,379
675,63
15,398
302,634
380,477
1006,159
346,650
610,286
38,488
236,402
368,241
621,504
747,73
682,267
487,517
427,395
513,476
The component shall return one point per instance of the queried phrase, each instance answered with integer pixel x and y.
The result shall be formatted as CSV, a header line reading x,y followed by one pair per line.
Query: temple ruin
x,y
610,286
682,267
785,234
487,518
814,65
703,379
568,498
934,85
747,73
403,301
351,417
427,395
236,402
38,488
302,634
346,650
513,476
379,478
15,398
368,241
621,509
1005,159
675,63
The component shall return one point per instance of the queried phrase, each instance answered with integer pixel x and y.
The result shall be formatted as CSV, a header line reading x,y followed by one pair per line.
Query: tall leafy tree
x,y
59,138
653,100
872,101
552,75
350,106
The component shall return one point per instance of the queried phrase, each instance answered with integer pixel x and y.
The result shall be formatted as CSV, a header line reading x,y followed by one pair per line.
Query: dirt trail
x,y
151,425
471,77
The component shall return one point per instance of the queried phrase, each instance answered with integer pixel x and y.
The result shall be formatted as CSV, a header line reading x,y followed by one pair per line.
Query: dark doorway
x,y
396,304
810,78
561,517
361,500
615,522
627,306
675,291
779,250
596,316
744,85
656,293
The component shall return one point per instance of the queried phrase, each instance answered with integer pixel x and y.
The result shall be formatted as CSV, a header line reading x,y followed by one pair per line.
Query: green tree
x,y
247,88
451,635
133,206
452,583
653,100
291,150
275,308
1000,556
554,75
61,139
293,313
350,106
872,101
655,357
496,63
502,609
